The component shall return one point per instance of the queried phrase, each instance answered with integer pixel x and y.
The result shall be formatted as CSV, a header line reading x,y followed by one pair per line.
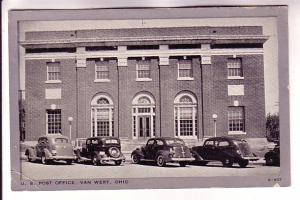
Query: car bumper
x,y
107,159
251,158
62,157
182,159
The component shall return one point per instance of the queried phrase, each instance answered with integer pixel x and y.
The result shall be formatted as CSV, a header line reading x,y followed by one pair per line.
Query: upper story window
x,y
185,71
101,71
143,71
53,71
234,68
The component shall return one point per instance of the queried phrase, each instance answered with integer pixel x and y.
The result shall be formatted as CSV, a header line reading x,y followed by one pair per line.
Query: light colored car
x,y
51,148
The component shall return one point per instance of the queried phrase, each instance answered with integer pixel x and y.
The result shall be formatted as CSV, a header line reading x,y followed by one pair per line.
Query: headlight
x,y
238,152
101,153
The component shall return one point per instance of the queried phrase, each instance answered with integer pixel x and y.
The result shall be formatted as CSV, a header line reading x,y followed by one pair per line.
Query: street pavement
x,y
59,170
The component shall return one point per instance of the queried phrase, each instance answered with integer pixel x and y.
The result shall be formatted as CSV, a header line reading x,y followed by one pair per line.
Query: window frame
x,y
241,73
47,121
236,132
102,64
185,78
59,72
138,64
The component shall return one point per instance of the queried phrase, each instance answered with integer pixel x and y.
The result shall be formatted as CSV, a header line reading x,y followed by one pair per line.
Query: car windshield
x,y
111,141
174,141
61,140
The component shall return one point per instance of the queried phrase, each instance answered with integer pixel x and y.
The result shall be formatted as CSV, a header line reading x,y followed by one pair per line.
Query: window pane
x,y
236,119
185,68
53,70
234,67
143,70
101,70
54,121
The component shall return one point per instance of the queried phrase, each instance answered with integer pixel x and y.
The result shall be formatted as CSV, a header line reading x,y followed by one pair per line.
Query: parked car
x,y
100,150
227,150
272,157
51,148
163,150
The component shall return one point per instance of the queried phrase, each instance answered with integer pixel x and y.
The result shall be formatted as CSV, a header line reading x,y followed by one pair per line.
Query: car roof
x,y
50,136
103,137
225,138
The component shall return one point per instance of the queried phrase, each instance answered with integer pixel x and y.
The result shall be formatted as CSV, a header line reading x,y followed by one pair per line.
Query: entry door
x,y
144,126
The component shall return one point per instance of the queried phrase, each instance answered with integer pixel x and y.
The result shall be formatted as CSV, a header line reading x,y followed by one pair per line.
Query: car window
x,y
88,142
160,142
223,143
95,141
111,141
61,140
150,142
209,143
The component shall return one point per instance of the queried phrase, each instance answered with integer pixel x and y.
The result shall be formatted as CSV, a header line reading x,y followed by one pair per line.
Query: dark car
x,y
227,150
51,148
273,156
162,151
100,150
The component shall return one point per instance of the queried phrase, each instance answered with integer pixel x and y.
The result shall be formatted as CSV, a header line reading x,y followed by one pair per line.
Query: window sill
x,y
143,79
185,79
53,81
236,133
235,78
101,80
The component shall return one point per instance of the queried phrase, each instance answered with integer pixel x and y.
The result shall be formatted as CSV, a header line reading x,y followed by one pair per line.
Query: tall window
x,y
236,121
234,67
53,121
143,70
143,116
53,71
185,69
185,115
102,116
101,70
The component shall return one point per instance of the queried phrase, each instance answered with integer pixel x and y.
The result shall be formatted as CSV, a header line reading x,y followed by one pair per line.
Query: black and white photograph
x,y
149,98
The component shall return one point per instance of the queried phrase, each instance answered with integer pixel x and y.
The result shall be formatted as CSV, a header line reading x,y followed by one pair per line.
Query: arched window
x,y
143,116
102,116
185,115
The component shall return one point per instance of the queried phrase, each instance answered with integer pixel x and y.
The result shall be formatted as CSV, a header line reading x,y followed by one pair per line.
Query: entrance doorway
x,y
144,126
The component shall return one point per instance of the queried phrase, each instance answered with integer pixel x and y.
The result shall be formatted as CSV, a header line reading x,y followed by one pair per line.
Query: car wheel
x,y
118,162
243,163
160,161
135,159
182,164
227,162
269,161
69,162
95,161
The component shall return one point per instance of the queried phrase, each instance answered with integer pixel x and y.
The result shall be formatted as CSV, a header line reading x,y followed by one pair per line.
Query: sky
x,y
268,24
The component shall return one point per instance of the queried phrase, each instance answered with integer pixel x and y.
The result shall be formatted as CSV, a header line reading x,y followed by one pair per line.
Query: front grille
x,y
182,152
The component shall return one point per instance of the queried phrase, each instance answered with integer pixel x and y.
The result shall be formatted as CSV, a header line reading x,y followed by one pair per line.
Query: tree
x,y
272,127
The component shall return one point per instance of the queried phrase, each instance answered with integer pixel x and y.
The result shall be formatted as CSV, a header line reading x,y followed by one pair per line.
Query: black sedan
x,y
227,150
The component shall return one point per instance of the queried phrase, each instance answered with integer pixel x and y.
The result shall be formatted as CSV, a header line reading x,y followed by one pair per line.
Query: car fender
x,y
196,155
31,153
138,152
165,155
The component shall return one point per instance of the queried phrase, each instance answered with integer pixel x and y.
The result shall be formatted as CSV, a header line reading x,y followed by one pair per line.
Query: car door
x,y
209,150
148,150
157,146
222,150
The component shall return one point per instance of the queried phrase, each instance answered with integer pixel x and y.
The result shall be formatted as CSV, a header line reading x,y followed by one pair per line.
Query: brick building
x,y
145,82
